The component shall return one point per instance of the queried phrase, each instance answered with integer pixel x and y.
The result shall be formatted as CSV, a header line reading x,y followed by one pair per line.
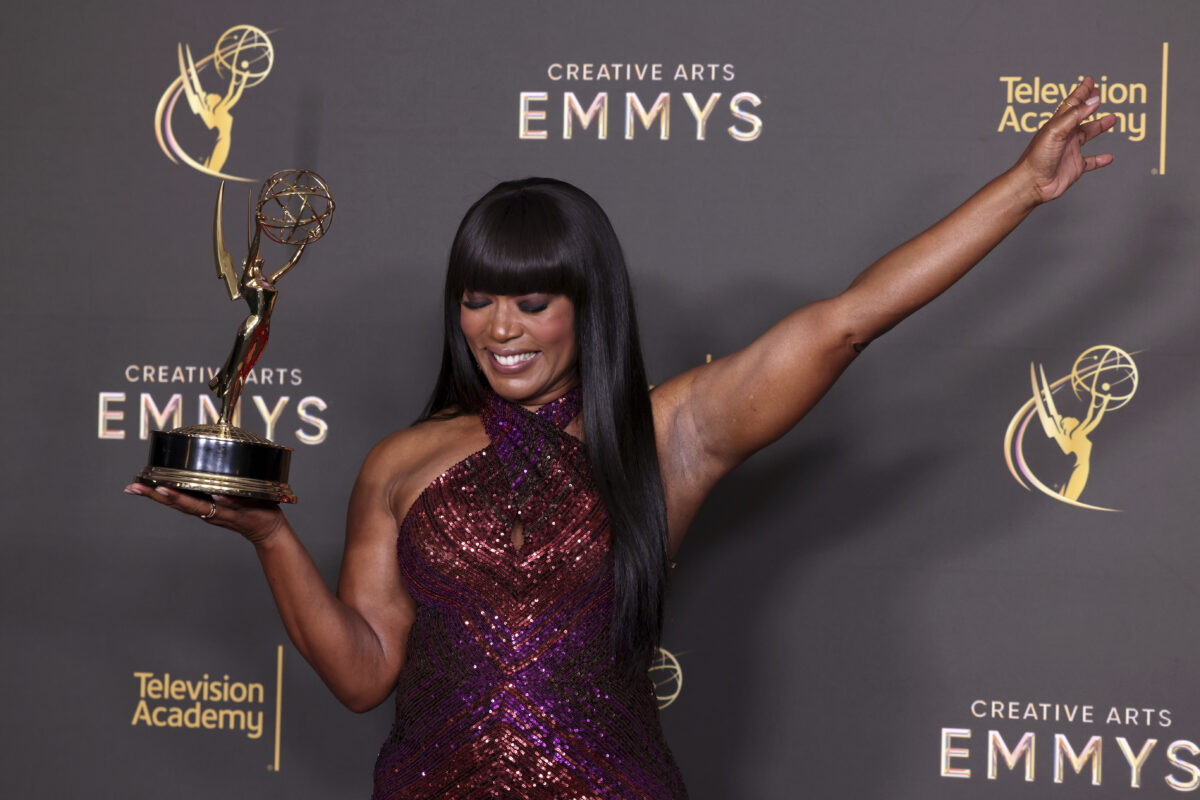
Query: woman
x,y
535,507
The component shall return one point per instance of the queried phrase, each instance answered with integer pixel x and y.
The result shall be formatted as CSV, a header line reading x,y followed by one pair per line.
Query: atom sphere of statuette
x,y
294,207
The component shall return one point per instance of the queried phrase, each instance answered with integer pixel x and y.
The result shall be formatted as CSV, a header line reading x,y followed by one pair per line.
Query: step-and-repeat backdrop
x,y
971,572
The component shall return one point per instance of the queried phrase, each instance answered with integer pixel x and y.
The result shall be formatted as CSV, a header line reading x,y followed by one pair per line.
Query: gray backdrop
x,y
844,597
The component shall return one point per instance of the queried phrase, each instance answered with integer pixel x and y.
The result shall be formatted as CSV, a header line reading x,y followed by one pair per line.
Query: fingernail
x,y
161,490
1091,101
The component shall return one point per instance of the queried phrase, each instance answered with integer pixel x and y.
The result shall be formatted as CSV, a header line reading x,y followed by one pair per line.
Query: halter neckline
x,y
527,443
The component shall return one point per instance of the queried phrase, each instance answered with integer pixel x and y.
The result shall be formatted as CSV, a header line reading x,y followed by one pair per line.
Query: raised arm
x,y
711,418
355,640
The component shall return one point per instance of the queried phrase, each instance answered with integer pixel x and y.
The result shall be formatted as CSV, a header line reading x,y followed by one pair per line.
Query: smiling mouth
x,y
513,360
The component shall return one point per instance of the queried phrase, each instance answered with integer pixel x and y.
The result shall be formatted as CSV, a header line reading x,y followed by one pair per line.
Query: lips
x,y
513,362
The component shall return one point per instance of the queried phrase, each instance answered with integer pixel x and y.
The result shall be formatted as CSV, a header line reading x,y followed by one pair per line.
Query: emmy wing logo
x,y
241,59
667,676
1102,380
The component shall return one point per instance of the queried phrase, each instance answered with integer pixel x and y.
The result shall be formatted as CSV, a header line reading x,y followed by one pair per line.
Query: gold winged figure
x,y
259,292
212,108
1069,433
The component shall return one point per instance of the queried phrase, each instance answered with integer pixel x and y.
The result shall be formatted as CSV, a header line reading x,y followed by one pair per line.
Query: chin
x,y
523,393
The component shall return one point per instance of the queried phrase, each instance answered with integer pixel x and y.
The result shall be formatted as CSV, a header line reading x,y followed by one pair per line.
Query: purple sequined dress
x,y
510,689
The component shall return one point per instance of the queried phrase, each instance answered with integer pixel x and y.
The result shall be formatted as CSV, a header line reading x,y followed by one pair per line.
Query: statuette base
x,y
219,459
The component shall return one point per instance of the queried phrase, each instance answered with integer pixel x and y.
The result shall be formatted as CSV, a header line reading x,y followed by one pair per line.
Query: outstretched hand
x,y
1054,159
256,520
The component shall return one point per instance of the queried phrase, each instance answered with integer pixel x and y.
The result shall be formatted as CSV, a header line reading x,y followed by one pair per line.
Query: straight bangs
x,y
514,245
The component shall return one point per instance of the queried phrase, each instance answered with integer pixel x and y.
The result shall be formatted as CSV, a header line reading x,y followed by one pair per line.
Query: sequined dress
x,y
509,689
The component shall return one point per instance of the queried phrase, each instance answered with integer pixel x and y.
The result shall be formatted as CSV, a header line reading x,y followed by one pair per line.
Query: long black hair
x,y
544,235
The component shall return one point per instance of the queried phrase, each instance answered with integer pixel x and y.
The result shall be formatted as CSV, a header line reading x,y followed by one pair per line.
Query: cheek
x,y
560,333
471,325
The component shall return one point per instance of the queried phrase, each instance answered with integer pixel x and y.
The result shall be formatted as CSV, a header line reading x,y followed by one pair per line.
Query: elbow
x,y
841,324
859,332
360,692
855,336
361,705
362,700
857,339
861,315
862,336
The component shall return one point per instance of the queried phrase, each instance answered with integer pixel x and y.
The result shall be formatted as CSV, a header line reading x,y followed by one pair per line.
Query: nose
x,y
504,324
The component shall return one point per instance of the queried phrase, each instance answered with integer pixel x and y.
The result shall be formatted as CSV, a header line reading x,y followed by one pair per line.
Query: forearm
x,y
333,637
922,268
356,642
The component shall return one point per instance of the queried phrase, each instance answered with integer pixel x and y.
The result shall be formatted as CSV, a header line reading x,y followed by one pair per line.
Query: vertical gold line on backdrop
x,y
278,700
1162,141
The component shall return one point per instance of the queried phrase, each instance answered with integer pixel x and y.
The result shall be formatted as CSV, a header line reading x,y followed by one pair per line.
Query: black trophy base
x,y
219,459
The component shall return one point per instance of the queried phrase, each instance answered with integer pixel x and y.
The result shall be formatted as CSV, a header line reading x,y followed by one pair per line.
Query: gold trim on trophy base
x,y
223,433
190,481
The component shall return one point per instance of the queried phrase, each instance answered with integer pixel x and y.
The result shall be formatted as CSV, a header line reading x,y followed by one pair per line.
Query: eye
x,y
533,304
474,301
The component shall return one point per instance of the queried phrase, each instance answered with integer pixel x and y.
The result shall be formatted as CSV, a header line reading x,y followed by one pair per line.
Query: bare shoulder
x,y
403,463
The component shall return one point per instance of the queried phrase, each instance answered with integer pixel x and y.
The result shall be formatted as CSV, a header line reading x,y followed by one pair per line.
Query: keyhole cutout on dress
x,y
518,535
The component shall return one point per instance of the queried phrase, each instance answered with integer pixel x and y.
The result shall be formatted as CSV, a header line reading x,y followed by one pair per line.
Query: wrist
x,y
1021,189
265,537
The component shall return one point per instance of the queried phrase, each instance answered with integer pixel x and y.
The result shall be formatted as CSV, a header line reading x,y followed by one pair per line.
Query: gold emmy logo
x,y
1103,379
242,58
667,676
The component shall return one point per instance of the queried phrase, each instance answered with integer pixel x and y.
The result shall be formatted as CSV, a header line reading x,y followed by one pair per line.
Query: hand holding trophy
x,y
294,208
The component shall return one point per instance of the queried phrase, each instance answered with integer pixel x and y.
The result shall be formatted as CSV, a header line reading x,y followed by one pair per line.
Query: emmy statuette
x,y
294,208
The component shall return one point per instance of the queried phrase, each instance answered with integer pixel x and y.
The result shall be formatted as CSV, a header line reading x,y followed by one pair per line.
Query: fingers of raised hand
x,y
1097,126
1095,162
1081,98
1069,125
1069,121
1087,131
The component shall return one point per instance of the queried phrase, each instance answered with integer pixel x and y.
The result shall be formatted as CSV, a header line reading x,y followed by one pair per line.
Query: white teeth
x,y
509,361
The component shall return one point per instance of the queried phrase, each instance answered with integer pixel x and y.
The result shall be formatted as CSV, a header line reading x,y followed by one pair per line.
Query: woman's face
x,y
525,344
